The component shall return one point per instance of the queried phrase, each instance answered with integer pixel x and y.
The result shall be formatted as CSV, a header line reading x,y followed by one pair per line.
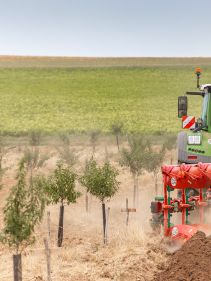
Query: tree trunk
x,y
107,219
117,141
93,148
49,225
17,267
104,222
134,191
61,223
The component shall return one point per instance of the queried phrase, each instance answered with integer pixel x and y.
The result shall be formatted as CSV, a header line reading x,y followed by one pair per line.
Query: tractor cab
x,y
194,144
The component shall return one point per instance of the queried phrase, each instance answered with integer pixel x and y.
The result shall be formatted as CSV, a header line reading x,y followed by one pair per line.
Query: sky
x,y
117,28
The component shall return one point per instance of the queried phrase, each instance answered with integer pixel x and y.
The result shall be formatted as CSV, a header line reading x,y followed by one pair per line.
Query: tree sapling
x,y
60,188
102,183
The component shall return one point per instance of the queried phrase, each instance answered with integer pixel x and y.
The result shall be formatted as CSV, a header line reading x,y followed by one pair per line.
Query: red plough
x,y
192,183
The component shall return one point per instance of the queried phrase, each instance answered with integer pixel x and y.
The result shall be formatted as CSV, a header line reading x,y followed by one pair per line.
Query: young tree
x,y
170,144
93,138
32,157
34,160
66,153
102,183
135,158
117,129
60,188
35,138
3,152
156,158
23,211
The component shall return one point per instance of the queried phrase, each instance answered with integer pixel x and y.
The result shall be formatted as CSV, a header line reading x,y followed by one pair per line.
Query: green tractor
x,y
194,145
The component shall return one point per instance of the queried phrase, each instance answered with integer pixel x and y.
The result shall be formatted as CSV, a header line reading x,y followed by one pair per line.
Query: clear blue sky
x,y
105,27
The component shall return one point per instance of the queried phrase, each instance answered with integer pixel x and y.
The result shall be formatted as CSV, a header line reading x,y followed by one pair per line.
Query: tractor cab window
x,y
205,109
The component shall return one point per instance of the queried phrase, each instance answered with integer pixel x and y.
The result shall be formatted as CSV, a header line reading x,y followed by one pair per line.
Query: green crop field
x,y
73,98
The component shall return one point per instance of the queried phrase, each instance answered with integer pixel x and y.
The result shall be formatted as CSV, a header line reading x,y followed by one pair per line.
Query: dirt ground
x,y
133,252
191,262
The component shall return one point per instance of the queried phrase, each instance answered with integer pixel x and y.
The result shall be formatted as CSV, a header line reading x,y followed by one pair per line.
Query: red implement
x,y
188,179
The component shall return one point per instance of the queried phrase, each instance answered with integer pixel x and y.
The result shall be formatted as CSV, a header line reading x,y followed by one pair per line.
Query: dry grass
x,y
132,252
134,257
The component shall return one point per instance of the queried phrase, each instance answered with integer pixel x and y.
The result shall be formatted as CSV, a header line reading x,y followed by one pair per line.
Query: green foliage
x,y
80,100
100,181
136,157
38,188
60,187
23,211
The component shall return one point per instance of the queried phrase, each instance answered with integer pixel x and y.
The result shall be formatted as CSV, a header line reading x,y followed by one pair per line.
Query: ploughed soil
x,y
191,262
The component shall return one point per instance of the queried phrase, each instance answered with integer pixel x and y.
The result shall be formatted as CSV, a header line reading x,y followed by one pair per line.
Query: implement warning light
x,y
198,70
198,74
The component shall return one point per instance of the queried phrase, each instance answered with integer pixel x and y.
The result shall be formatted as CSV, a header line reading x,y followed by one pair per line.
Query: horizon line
x,y
103,57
